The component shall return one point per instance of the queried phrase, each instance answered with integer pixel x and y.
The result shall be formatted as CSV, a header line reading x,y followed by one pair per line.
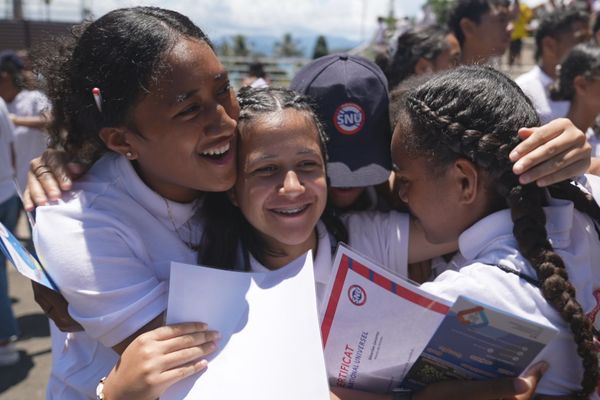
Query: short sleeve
x,y
7,130
382,237
100,267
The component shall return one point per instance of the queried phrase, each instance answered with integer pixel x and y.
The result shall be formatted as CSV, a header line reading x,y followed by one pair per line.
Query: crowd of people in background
x,y
179,168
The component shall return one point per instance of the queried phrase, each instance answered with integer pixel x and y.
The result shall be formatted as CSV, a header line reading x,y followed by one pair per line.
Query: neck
x,y
8,94
283,254
549,69
472,55
580,116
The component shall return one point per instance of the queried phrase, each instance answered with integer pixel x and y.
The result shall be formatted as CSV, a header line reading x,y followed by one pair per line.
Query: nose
x,y
221,123
291,185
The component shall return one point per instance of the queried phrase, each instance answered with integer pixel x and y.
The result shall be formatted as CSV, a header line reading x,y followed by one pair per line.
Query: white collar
x,y
545,79
497,226
180,213
322,261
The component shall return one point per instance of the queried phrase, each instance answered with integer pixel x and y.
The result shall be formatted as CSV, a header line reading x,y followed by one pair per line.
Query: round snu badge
x,y
349,118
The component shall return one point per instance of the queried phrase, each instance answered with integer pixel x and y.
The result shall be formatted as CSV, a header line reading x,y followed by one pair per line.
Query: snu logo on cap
x,y
349,118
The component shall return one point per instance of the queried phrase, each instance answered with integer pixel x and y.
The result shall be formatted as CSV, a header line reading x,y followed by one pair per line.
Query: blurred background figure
x,y
420,51
579,83
28,112
9,212
257,78
520,31
483,28
557,33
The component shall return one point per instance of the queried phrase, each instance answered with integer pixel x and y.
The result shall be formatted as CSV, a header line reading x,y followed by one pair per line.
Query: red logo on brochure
x,y
357,295
349,118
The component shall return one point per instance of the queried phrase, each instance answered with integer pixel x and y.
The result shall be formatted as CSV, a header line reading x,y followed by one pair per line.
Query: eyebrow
x,y
181,97
266,157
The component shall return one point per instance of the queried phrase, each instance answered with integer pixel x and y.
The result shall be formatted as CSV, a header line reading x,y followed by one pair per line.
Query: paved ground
x,y
27,380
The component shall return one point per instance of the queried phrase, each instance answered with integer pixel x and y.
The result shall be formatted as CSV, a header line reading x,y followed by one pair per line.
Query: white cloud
x,y
346,18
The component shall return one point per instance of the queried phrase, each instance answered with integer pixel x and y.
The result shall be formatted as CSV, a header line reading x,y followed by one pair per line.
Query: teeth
x,y
290,210
216,151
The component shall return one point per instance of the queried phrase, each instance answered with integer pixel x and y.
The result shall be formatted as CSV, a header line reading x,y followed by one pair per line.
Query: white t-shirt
x,y
490,242
108,245
594,140
29,142
536,85
7,138
382,237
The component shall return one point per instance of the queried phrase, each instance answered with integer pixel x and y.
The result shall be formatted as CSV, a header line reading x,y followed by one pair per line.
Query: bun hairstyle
x,y
226,227
582,60
122,54
474,112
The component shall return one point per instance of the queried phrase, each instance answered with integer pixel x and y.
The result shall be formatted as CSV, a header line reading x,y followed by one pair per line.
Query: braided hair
x,y
121,53
226,227
474,113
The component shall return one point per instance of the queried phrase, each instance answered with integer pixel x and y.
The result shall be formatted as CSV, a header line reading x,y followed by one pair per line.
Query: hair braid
x,y
474,113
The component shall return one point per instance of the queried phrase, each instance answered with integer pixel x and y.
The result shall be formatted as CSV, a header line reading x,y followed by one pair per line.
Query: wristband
x,y
100,390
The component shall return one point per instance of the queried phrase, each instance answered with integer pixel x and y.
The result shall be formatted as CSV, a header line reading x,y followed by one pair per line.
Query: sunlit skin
x,y
282,187
190,113
488,38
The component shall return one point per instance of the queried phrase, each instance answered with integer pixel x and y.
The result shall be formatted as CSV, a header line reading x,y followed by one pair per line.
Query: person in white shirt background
x,y
579,83
556,35
28,111
524,249
9,213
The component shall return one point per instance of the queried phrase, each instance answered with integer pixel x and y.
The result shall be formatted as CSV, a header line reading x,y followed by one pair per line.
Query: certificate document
x,y
375,324
270,345
381,332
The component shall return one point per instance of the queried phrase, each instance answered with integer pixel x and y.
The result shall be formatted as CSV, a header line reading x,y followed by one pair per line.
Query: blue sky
x,y
353,19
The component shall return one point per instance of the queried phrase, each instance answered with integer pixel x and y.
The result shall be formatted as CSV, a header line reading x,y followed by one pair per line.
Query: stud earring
x,y
129,155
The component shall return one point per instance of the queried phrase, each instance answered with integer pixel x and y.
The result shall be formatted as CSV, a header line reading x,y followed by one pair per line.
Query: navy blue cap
x,y
352,101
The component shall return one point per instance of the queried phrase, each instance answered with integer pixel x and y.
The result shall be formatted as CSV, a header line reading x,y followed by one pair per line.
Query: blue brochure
x,y
23,261
478,342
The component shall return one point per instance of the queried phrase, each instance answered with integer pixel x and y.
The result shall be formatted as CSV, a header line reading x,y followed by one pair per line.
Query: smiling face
x,y
182,132
281,187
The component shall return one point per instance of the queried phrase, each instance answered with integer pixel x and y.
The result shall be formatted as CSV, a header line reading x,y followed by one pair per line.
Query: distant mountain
x,y
264,45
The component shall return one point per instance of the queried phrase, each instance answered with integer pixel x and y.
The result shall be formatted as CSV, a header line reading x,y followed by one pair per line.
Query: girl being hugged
x,y
141,95
524,249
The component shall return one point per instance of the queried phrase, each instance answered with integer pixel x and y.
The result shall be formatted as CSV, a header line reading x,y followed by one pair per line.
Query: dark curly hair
x,y
582,60
121,53
474,113
226,227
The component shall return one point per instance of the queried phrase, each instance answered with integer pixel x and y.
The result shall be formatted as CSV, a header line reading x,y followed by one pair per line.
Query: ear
x,y
115,139
468,27
580,84
423,66
232,197
549,46
467,177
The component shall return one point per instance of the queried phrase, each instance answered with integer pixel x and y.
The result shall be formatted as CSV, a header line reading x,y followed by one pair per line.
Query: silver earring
x,y
129,155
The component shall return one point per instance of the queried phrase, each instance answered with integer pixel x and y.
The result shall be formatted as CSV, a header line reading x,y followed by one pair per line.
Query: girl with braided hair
x,y
527,250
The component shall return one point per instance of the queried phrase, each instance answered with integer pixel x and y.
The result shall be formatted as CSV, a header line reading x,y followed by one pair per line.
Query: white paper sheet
x,y
270,346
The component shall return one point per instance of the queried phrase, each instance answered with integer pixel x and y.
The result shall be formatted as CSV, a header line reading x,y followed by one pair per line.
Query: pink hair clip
x,y
97,98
